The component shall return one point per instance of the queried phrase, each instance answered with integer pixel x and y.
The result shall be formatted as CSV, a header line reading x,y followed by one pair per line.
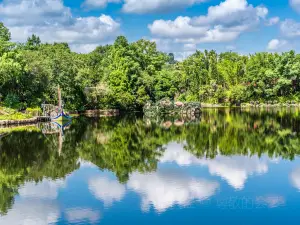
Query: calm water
x,y
227,167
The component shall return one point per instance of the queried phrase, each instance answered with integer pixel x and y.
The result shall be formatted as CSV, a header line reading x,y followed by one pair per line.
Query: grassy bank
x,y
12,114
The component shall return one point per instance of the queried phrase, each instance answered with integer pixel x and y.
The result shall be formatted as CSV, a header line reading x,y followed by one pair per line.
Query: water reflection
x,y
160,165
106,190
295,178
78,215
166,188
45,189
27,211
271,201
235,169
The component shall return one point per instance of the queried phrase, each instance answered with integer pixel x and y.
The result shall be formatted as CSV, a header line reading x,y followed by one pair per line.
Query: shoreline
x,y
36,120
116,112
248,105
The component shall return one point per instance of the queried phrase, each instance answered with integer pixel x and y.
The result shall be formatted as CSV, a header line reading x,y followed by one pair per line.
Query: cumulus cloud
x,y
155,6
190,47
233,13
235,170
78,215
54,22
295,4
96,4
41,12
295,178
273,21
165,188
223,23
275,45
180,51
181,28
106,190
290,28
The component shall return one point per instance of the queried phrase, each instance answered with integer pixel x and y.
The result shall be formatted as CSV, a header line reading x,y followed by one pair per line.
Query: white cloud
x,y
164,189
275,45
180,51
54,22
155,6
41,12
295,178
96,4
223,23
46,189
295,4
233,13
77,215
273,21
190,47
290,28
106,190
181,27
235,170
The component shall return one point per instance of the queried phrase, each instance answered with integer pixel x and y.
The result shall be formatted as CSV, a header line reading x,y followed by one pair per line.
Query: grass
x,y
12,114
15,116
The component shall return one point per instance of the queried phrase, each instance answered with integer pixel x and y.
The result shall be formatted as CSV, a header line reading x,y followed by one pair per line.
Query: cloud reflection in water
x,y
107,190
235,169
295,178
166,188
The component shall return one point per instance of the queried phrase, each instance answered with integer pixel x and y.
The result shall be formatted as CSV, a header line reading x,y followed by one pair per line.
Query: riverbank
x,y
248,105
25,119
97,112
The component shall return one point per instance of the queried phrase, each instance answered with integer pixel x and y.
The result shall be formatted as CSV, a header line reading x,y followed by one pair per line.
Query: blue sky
x,y
179,26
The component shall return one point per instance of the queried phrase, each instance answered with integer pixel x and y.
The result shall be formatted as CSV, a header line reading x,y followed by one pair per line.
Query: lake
x,y
236,167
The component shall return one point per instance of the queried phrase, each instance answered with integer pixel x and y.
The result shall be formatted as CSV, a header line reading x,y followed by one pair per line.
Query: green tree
x,y
4,33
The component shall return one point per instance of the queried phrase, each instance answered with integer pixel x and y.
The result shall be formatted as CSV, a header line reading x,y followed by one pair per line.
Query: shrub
x,y
12,101
33,111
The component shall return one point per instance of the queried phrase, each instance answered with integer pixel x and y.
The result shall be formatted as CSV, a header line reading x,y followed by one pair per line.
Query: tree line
x,y
127,75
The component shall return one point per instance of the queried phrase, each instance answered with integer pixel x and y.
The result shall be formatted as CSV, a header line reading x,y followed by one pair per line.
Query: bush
x,y
236,94
181,98
33,111
191,98
6,111
12,101
220,95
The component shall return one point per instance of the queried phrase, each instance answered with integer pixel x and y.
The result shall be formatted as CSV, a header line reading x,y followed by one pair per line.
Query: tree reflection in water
x,y
133,145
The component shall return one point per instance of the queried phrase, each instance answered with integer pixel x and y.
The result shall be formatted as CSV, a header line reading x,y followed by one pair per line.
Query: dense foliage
x,y
127,75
